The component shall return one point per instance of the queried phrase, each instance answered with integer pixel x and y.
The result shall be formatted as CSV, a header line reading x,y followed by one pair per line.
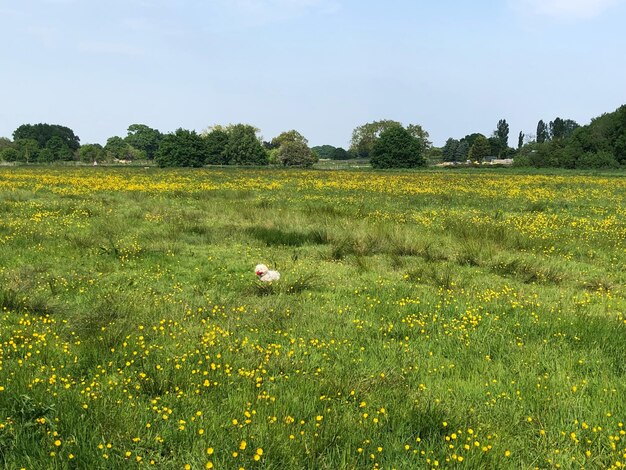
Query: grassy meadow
x,y
433,319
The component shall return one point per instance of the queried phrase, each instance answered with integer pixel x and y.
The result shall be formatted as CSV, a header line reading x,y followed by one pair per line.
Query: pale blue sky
x,y
319,66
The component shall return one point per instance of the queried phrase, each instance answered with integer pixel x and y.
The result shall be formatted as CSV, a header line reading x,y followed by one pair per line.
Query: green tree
x,y
418,132
449,150
59,149
5,143
502,134
244,148
480,149
296,153
288,136
28,150
471,138
461,153
90,153
9,154
397,148
117,148
543,133
364,137
144,138
324,151
182,148
42,133
562,128
216,142
520,140
339,153
495,147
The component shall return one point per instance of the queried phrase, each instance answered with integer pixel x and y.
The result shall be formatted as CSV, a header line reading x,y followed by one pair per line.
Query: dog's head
x,y
260,269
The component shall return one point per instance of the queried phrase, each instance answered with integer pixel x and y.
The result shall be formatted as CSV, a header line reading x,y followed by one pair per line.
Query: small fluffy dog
x,y
265,274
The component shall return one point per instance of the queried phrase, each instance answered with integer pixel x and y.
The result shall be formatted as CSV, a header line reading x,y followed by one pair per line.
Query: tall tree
x,y
363,137
461,153
502,133
562,128
144,138
480,148
244,148
216,142
543,132
449,150
520,140
397,148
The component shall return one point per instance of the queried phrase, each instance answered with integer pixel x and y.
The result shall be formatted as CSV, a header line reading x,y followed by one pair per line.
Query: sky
x,y
322,67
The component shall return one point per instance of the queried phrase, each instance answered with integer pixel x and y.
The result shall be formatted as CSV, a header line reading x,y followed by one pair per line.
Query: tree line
x,y
561,143
384,143
236,144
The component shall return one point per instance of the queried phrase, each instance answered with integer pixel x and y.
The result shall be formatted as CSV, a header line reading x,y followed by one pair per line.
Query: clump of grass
x,y
296,285
472,252
273,236
530,271
302,283
438,275
262,289
38,304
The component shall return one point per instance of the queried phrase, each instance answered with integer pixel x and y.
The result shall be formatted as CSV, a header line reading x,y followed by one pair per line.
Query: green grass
x,y
417,313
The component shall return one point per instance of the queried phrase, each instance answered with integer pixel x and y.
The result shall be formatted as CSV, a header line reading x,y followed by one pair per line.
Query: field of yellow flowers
x,y
435,319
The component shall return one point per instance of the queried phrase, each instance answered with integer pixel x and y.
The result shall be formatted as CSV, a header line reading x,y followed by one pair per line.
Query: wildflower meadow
x,y
429,319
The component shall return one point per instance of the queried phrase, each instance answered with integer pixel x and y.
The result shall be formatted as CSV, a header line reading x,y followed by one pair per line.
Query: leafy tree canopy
x,y
90,153
216,142
42,133
288,136
182,148
449,150
244,147
340,153
397,148
324,151
296,153
480,149
9,154
364,137
144,138
5,143
562,128
28,150
59,149
117,148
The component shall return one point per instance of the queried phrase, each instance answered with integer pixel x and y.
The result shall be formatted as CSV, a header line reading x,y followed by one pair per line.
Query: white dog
x,y
265,274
